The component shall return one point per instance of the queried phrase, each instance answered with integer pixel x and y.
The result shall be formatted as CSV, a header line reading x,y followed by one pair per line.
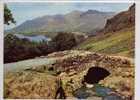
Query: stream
x,y
98,92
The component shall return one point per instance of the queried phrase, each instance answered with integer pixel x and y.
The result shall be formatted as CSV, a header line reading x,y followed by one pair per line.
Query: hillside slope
x,y
118,43
125,19
117,37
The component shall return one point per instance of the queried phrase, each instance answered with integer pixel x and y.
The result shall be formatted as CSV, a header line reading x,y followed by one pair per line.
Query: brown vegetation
x,y
72,66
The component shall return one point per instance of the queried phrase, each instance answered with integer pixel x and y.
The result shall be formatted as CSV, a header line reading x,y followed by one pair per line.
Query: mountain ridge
x,y
81,21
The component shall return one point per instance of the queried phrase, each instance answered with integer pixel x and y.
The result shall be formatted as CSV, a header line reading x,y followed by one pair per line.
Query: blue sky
x,y
28,11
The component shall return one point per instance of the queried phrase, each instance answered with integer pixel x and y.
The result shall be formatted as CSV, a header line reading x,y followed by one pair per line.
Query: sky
x,y
28,11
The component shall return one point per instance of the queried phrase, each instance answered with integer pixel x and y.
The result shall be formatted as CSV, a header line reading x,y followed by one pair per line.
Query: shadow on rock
x,y
95,74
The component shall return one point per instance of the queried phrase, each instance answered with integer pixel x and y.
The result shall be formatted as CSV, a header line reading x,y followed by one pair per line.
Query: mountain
x,y
116,38
81,21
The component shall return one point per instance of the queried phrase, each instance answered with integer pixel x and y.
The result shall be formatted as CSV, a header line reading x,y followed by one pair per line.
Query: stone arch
x,y
95,74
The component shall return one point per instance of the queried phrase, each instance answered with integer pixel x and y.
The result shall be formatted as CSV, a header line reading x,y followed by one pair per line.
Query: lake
x,y
34,38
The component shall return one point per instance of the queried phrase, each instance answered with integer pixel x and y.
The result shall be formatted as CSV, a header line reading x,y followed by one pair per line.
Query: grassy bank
x,y
117,43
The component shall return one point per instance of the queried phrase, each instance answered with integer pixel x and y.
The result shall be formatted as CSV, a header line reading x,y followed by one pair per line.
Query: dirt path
x,y
39,61
21,65
25,64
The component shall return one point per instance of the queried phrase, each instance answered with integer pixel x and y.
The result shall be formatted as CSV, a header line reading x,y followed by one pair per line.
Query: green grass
x,y
120,43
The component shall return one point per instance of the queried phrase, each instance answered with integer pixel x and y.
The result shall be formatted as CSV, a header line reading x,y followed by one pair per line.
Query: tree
x,y
64,41
8,17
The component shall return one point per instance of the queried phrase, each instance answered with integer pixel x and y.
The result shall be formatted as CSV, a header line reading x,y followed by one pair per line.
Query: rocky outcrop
x,y
125,19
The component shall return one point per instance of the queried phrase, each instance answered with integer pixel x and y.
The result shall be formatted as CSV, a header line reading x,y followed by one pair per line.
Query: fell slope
x,y
122,20
118,43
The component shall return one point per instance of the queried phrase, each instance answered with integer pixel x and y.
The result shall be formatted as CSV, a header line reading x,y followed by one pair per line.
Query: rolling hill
x,y
116,38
